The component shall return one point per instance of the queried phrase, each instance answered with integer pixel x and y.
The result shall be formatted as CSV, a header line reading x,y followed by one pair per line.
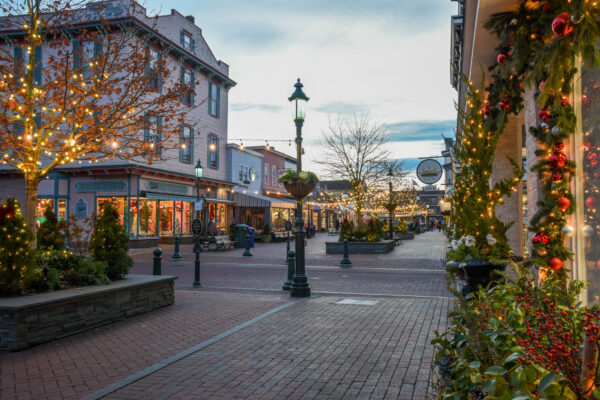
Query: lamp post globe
x,y
300,287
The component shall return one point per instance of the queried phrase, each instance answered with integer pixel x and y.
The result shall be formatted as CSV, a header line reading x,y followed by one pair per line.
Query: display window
x,y
166,218
187,217
40,207
278,218
117,202
147,217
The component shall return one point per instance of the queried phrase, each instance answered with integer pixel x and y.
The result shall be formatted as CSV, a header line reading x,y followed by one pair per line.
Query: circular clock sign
x,y
429,171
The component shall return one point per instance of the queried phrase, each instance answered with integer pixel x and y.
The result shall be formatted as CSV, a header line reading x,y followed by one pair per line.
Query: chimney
x,y
191,18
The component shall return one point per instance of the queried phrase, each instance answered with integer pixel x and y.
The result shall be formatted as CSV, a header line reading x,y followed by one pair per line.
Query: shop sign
x,y
197,226
429,171
288,225
81,209
167,187
100,186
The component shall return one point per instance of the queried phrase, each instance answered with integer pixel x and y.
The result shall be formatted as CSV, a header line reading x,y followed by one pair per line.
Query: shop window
x,y
186,224
133,217
62,209
590,164
222,218
147,217
274,176
117,202
166,218
278,217
153,134
40,207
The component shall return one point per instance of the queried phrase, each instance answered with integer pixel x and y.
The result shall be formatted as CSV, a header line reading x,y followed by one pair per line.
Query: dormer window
x,y
187,41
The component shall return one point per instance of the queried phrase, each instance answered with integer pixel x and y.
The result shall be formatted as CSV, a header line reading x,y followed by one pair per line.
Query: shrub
x,y
110,243
48,234
346,230
267,229
89,272
16,256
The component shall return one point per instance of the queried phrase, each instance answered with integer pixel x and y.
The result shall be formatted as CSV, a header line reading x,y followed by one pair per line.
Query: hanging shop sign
x,y
81,209
167,187
100,186
429,171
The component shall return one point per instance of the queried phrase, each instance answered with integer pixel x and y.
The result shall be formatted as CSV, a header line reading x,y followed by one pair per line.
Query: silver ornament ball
x,y
587,231
568,230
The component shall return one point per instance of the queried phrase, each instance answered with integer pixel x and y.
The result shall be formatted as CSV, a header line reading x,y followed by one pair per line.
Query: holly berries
x,y
504,106
502,58
557,177
540,238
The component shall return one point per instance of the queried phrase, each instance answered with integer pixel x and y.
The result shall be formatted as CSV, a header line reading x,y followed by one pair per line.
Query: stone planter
x,y
299,190
26,321
480,273
382,247
405,235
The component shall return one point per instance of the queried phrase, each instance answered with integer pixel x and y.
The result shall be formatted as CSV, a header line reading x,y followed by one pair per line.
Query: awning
x,y
259,200
223,201
166,197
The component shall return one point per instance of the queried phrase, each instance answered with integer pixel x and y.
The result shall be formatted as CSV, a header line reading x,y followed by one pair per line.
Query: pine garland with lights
x,y
16,256
474,200
546,40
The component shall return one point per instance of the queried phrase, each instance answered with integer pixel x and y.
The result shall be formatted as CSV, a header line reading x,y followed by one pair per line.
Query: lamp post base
x,y
300,287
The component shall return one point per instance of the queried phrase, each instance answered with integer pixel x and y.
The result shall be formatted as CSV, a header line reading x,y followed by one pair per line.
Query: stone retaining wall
x,y
29,320
382,247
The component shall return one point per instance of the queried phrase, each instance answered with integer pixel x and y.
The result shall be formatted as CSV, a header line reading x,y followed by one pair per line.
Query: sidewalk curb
x,y
177,357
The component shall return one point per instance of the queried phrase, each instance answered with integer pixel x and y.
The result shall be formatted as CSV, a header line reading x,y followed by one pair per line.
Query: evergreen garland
x,y
543,41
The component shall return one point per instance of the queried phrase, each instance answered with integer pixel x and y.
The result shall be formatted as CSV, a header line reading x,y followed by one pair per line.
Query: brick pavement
x,y
313,349
317,349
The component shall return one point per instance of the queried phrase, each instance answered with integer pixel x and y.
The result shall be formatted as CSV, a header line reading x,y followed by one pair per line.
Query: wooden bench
x,y
332,232
223,241
281,235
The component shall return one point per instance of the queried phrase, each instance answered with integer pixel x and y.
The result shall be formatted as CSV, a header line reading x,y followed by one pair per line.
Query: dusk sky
x,y
389,58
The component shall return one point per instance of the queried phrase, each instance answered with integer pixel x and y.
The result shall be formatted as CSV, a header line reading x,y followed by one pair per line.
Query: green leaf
x,y
512,357
596,393
518,378
475,377
490,386
495,370
522,397
475,365
546,381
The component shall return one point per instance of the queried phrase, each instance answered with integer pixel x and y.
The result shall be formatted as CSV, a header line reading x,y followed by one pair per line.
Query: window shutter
x,y
181,140
193,46
146,128
159,135
193,88
76,54
181,38
208,139
210,98
159,78
218,101
182,75
37,65
191,145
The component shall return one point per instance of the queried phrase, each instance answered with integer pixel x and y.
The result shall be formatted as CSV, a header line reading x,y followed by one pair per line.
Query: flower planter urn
x,y
481,273
299,190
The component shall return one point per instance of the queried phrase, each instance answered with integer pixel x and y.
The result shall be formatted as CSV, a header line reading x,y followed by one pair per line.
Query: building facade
x,y
154,201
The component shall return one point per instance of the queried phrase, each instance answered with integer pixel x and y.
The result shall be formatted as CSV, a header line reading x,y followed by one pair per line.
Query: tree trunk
x,y
31,187
589,365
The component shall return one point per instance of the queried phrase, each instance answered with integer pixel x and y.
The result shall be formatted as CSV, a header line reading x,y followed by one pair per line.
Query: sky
x,y
387,58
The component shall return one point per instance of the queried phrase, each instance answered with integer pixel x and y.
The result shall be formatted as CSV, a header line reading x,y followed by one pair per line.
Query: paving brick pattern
x,y
313,350
77,365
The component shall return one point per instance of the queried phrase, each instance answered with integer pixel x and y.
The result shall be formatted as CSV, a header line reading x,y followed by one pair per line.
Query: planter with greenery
x,y
266,234
299,185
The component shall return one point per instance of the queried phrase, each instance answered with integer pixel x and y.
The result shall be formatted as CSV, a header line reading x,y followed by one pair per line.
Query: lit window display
x,y
40,207
62,209
221,217
166,218
186,226
118,203
278,218
590,160
147,218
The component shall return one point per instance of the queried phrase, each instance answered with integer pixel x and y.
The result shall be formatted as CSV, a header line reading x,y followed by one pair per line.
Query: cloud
x,y
411,131
342,108
255,35
255,106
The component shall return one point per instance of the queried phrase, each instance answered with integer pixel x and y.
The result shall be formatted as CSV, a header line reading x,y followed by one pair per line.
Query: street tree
x,y
94,93
355,149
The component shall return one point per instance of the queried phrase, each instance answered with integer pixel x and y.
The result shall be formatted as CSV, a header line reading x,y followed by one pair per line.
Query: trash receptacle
x,y
240,235
251,233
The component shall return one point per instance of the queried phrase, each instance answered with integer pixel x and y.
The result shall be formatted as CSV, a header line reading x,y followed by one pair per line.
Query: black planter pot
x,y
481,273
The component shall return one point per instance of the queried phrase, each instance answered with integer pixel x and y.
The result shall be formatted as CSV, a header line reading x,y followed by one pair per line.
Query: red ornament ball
x,y
559,146
502,58
546,7
544,114
591,203
561,25
555,263
557,160
504,106
540,238
563,203
557,177
598,264
486,111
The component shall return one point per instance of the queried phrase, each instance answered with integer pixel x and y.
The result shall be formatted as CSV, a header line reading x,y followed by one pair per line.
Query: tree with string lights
x,y
70,94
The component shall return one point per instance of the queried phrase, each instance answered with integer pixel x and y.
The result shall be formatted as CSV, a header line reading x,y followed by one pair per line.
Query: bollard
x,y
197,249
345,261
291,262
287,250
247,253
176,255
156,270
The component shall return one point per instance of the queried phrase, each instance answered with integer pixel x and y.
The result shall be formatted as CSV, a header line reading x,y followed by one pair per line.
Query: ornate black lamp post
x,y
390,176
300,287
197,227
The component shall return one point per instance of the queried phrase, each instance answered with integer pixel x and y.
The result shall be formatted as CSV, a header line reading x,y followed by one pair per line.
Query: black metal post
x,y
197,261
345,260
391,211
247,253
176,254
156,268
287,250
291,262
300,287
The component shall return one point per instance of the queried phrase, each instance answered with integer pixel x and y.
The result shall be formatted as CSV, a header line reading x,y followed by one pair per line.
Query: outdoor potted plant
x,y
299,185
266,234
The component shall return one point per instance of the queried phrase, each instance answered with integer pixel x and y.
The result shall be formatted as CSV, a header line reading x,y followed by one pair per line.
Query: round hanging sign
x,y
288,225
197,226
429,171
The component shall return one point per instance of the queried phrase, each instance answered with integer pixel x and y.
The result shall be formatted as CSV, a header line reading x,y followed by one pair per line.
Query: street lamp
x,y
197,226
300,287
390,176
